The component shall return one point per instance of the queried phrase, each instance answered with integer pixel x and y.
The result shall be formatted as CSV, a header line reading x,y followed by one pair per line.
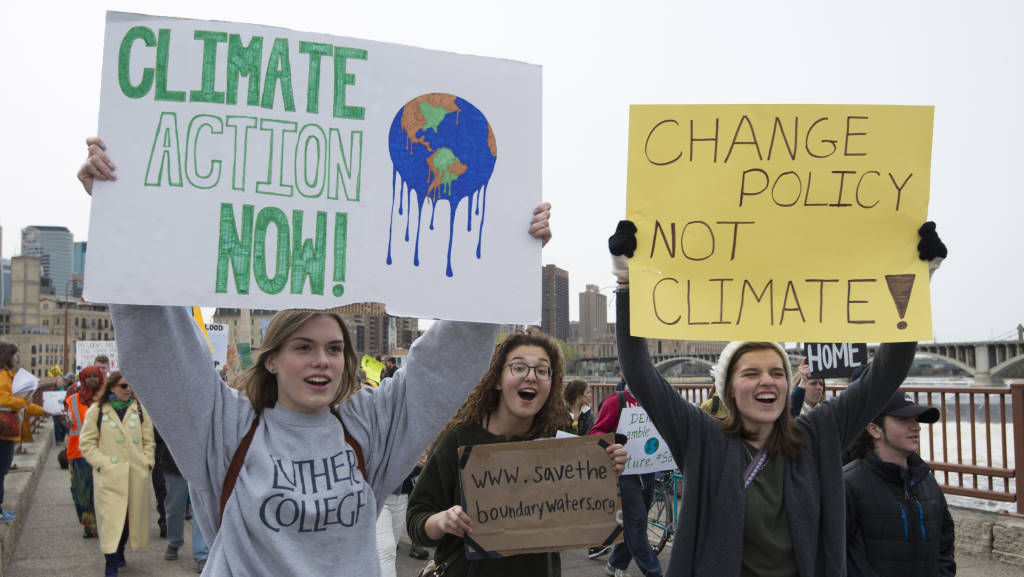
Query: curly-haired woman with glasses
x,y
519,399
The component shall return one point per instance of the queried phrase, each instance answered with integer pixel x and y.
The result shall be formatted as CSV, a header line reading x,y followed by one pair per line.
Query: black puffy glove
x,y
622,244
931,246
623,241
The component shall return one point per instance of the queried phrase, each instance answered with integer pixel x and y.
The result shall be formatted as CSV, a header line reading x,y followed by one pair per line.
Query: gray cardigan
x,y
709,541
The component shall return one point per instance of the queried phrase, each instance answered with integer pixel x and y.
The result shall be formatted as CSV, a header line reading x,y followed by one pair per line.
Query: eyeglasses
x,y
520,370
123,385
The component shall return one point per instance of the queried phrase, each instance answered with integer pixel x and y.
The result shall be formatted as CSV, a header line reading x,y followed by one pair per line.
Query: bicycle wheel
x,y
660,518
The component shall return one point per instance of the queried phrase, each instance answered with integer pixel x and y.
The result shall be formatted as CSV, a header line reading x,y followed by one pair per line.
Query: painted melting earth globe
x,y
443,150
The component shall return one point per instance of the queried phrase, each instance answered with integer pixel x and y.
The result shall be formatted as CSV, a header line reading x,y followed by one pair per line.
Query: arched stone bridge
x,y
987,362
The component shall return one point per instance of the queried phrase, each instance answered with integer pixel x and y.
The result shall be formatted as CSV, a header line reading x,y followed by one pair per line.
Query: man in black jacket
x,y
897,520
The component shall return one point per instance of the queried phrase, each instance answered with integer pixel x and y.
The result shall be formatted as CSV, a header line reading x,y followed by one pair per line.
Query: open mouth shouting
x,y
766,397
318,382
527,394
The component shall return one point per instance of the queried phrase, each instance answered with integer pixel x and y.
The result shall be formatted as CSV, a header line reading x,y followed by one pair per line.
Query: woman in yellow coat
x,y
117,440
9,359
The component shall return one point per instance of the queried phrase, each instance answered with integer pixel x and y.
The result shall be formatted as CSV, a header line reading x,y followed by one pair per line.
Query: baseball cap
x,y
900,405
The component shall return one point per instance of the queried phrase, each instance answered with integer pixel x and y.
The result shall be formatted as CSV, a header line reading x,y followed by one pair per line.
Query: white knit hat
x,y
720,371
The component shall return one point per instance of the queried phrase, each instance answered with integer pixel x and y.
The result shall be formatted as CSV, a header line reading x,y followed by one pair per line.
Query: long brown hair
x,y
260,385
7,351
485,397
574,390
786,435
104,393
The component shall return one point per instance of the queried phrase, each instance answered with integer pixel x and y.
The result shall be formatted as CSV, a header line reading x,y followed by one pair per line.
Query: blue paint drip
x,y
408,215
419,225
391,221
480,238
451,233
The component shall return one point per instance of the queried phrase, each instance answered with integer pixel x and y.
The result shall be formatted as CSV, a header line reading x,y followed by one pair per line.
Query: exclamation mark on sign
x,y
900,286
340,245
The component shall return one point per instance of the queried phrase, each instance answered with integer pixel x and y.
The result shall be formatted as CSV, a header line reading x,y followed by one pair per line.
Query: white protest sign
x,y
648,452
218,334
261,167
53,401
87,351
24,383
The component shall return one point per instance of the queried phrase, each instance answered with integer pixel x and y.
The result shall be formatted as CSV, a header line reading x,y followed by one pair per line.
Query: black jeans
x,y
637,492
6,458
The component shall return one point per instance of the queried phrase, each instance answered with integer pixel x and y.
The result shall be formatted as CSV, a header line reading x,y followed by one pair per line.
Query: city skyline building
x,y
54,245
555,302
78,266
593,314
5,281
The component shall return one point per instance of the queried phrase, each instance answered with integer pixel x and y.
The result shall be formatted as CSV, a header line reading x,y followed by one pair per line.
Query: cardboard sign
x,y
534,496
779,222
372,367
218,334
86,351
261,167
835,360
648,452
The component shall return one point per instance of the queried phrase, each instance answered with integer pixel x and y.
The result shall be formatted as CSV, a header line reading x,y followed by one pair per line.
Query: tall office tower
x,y
5,281
78,270
555,302
54,246
79,262
593,314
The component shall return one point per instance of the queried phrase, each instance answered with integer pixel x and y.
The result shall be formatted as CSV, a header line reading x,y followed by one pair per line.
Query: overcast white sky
x,y
599,57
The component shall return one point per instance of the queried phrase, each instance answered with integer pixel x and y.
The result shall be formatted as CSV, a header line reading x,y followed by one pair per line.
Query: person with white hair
x,y
764,491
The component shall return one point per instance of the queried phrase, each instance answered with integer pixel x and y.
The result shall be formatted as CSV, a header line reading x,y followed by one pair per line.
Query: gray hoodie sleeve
x,y
165,357
396,422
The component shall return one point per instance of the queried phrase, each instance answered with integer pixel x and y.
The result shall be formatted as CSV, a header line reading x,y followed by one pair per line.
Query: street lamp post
x,y
67,290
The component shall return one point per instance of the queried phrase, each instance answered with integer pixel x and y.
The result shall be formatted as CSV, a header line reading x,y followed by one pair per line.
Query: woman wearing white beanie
x,y
764,491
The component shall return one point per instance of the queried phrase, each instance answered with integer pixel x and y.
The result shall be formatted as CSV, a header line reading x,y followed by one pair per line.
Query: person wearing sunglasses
x,y
519,399
117,440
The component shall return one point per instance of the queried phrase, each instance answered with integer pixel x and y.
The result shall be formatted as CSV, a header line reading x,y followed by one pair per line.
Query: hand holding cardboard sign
x,y
539,225
452,520
931,248
97,164
622,244
617,453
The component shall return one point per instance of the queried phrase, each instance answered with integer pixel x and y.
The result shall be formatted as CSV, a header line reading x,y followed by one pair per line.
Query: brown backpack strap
x,y
352,443
236,466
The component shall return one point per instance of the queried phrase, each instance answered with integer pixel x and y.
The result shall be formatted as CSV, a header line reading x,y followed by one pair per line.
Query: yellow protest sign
x,y
373,368
779,222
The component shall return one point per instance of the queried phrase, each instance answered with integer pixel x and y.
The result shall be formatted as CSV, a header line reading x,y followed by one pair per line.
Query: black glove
x,y
930,247
623,242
